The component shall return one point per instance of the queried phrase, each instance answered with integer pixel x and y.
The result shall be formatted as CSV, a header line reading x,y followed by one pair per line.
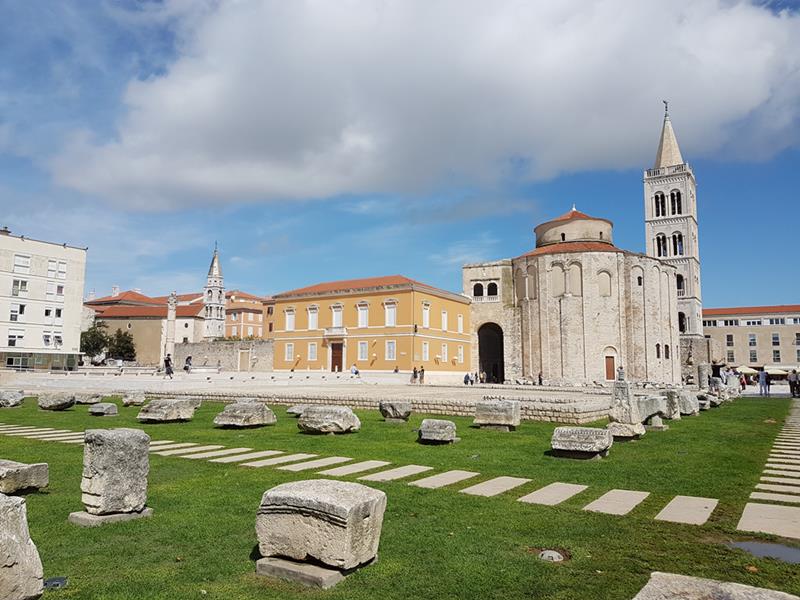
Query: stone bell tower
x,y
214,300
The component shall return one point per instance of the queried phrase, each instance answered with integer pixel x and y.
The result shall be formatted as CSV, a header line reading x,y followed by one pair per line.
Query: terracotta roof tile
x,y
347,285
126,296
574,247
752,310
132,312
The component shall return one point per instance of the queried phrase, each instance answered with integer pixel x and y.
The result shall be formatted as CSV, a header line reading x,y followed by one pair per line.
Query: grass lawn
x,y
436,543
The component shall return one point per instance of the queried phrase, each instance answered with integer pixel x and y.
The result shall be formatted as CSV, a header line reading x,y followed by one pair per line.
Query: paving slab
x,y
688,509
769,518
249,456
789,499
177,451
8,428
171,446
789,489
85,519
786,480
442,479
72,441
59,437
553,494
785,467
215,453
774,451
782,473
396,473
360,467
784,459
316,464
31,431
160,442
278,460
495,486
617,502
44,436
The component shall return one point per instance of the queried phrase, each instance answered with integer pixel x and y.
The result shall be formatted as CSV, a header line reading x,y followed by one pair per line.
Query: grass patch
x,y
435,543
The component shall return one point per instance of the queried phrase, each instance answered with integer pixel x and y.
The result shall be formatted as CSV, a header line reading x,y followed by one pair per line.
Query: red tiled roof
x,y
752,310
132,312
180,297
244,295
574,247
122,297
576,214
354,284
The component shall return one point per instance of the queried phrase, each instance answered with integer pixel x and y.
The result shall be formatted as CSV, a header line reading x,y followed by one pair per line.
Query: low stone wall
x,y
241,355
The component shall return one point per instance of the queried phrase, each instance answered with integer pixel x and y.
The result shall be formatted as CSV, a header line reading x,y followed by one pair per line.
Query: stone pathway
x,y
780,483
688,509
553,494
617,502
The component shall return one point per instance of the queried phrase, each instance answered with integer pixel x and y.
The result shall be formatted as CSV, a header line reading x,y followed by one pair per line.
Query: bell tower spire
x,y
214,299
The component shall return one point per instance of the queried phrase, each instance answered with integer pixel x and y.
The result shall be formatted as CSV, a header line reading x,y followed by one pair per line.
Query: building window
x,y
250,316
17,312
658,350
249,331
58,340
426,351
777,321
666,351
234,331
461,355
730,357
444,320
19,287
797,339
753,357
288,353
661,205
776,339
752,322
289,315
477,290
729,339
730,322
491,289
776,356
444,353
336,314
363,315
60,290
269,310
675,202
62,269
639,281
269,328
677,244
15,337
751,339
312,351
798,355
234,316
22,264
391,350
52,269
363,350
426,313
710,323
47,338
683,323
460,324
313,318
661,245
390,309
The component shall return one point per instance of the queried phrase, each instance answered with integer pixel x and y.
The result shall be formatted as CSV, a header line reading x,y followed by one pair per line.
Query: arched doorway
x,y
490,352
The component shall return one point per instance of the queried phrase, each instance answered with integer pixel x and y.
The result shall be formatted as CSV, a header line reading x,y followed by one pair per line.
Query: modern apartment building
x,y
41,301
756,336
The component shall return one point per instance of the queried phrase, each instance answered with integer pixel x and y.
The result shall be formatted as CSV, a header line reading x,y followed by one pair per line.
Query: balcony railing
x,y
681,293
684,168
334,332
486,298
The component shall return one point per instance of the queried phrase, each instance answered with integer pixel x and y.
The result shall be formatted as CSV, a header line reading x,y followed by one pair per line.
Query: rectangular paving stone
x,y
7,428
160,442
171,446
775,497
316,464
215,453
44,436
769,487
786,467
442,479
495,486
58,436
240,457
774,451
64,438
278,460
75,441
177,451
360,467
781,473
617,502
688,509
396,473
784,459
31,431
769,518
786,480
553,494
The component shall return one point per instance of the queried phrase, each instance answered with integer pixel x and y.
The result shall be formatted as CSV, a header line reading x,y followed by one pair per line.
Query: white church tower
x,y
214,300
670,211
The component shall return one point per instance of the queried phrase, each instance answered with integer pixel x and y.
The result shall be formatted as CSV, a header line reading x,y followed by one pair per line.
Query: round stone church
x,y
574,309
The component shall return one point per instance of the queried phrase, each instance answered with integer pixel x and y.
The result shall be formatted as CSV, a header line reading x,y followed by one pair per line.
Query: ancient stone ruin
x,y
17,476
315,532
328,419
581,442
114,484
56,401
501,415
245,413
88,398
167,410
133,399
626,431
395,411
667,586
688,403
103,409
21,573
11,398
437,431
296,410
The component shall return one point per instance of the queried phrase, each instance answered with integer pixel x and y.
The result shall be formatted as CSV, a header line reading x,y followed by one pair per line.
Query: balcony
x,y
673,170
486,298
334,332
681,293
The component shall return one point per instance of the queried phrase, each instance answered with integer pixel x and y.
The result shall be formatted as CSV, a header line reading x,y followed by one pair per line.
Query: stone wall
x,y
240,355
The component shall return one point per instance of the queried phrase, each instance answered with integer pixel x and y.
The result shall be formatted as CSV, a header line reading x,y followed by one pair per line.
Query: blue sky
x,y
316,142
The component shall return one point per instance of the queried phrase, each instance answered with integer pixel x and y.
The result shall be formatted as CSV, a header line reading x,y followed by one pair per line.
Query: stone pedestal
x,y
395,411
655,423
500,415
85,519
581,442
437,431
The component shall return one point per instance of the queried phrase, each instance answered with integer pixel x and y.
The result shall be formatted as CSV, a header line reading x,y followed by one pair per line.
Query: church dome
x,y
574,226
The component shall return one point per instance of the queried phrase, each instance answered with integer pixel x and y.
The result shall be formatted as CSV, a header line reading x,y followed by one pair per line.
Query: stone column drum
x,y
21,573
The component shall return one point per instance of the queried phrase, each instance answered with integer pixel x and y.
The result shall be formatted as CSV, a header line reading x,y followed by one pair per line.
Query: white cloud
x,y
309,99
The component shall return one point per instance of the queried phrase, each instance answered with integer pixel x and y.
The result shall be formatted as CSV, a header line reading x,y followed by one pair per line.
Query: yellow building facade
x,y
377,324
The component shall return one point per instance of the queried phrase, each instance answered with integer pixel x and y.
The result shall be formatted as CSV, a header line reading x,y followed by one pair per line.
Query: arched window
x,y
661,245
532,282
675,201
682,322
639,281
660,205
557,285
477,290
666,351
491,289
563,237
574,280
522,292
604,283
658,350
677,244
681,285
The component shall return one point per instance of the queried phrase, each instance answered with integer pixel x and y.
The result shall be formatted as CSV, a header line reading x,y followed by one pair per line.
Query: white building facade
x,y
41,303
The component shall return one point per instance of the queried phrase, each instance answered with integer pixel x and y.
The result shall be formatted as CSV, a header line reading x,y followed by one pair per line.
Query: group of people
x,y
169,370
794,383
418,375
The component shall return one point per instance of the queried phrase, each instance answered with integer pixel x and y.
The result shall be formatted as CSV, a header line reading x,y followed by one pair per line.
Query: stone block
x,y
303,573
115,469
655,423
103,409
581,442
245,413
626,431
328,419
17,476
85,519
668,586
11,398
21,573
395,410
688,403
88,398
437,431
497,414
164,410
133,399
336,523
652,405
673,406
296,410
56,401
703,375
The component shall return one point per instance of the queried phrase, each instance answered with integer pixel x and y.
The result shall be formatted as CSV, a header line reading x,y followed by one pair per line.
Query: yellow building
x,y
378,324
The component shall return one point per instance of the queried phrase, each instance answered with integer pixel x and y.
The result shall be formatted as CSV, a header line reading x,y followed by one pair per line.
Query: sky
x,y
316,140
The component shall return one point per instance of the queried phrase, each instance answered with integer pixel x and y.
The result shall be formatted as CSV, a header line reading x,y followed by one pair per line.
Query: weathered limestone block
x,y
88,398
296,410
193,401
133,399
328,419
703,401
21,573
497,414
16,476
395,410
655,423
626,431
437,431
245,413
652,405
11,398
703,375
673,405
667,586
337,523
56,401
165,410
115,469
103,409
687,403
581,442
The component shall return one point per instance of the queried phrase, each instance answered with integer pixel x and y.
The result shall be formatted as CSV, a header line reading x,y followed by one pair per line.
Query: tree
x,y
121,346
95,340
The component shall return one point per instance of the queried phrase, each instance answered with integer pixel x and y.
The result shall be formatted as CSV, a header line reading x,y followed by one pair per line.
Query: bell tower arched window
x,y
675,201
681,283
491,289
660,205
677,244
477,290
661,245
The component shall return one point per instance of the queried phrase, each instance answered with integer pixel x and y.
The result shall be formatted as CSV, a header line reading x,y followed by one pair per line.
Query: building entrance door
x,y
337,354
611,368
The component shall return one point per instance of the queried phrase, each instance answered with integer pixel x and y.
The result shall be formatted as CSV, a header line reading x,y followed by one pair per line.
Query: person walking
x,y
414,376
421,375
466,379
168,366
763,386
